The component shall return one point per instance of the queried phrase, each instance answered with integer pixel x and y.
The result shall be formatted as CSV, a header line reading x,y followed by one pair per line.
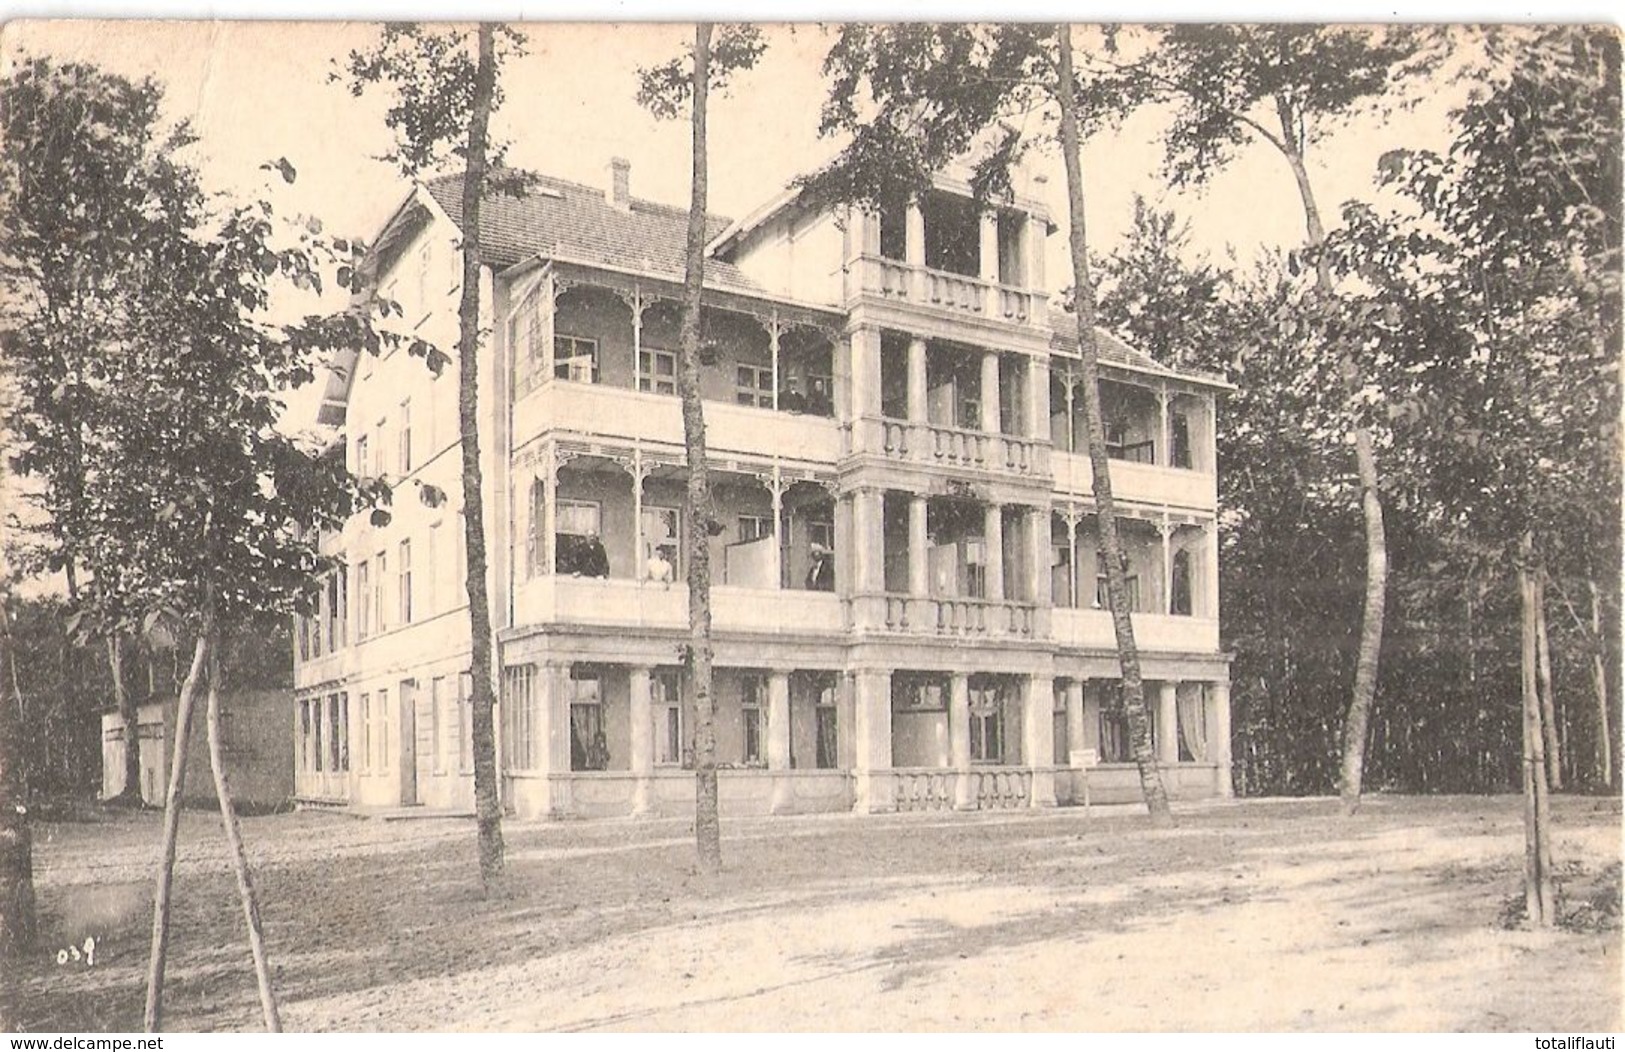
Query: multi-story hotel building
x,y
907,596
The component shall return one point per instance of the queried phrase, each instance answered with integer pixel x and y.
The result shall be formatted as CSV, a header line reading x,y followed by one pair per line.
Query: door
x,y
408,702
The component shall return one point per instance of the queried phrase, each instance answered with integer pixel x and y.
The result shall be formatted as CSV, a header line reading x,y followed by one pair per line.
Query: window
x,y
826,727
379,435
380,611
986,725
1179,442
754,527
465,722
306,741
366,734
1113,727
666,708
575,358
404,584
317,721
333,610
431,569
662,545
917,692
657,371
381,713
363,592
588,749
1058,729
1180,584
820,394
520,742
439,724
753,385
752,697
536,536
363,466
422,282
403,437
1131,584
975,569
577,547
339,706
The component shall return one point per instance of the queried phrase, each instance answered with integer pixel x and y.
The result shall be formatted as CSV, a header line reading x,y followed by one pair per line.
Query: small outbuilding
x,y
257,728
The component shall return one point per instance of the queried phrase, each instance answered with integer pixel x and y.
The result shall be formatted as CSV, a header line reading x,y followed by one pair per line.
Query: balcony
x,y
618,603
954,618
1132,480
1166,632
944,290
961,449
597,409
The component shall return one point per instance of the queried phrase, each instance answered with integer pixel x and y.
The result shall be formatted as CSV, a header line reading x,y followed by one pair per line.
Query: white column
x,y
871,760
919,578
988,242
1075,737
914,235
640,564
1038,397
1218,734
776,491
1167,723
1037,523
990,392
1072,544
1038,737
558,737
959,739
778,738
1162,449
865,345
773,330
1166,529
637,338
1071,433
868,542
917,406
993,540
642,734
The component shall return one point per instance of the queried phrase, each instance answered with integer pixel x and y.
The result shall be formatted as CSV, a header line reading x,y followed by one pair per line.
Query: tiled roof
x,y
1113,350
573,221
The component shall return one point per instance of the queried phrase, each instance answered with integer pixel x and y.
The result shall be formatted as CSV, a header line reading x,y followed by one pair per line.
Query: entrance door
x,y
409,742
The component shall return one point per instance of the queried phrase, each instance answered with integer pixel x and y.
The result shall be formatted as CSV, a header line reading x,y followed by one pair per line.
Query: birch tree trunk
x,y
17,918
487,798
152,1018
1128,655
707,817
1543,682
1599,685
239,857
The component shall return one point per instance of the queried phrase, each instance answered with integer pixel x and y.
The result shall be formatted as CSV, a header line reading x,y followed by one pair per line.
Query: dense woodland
x,y
1426,415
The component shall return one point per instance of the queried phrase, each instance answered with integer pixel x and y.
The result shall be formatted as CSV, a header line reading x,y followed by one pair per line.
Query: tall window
x,y
363,593
333,609
976,569
1113,727
431,567
342,605
666,709
363,466
662,542
986,725
577,546
465,722
1180,584
317,723
1179,442
404,583
826,754
366,734
520,741
575,358
536,536
588,749
403,437
657,371
381,713
753,385
1058,728
752,698
380,436
380,611
339,704
440,722
1131,583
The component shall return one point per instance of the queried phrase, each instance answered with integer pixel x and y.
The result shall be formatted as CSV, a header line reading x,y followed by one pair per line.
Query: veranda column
x,y
642,738
1163,452
959,741
918,408
919,578
868,544
865,348
1075,743
871,760
1036,526
993,540
1166,530
1038,737
778,738
1218,733
558,738
1038,398
990,392
775,486
1167,723
914,250
987,229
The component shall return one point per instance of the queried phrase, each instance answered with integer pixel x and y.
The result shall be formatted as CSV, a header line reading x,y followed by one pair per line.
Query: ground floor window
x,y
826,728
381,713
366,733
1114,739
986,723
752,698
439,724
666,710
465,711
1063,747
589,750
520,744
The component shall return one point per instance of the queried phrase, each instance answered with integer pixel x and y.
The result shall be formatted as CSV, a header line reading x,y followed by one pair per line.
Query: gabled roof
x,y
559,219
1114,351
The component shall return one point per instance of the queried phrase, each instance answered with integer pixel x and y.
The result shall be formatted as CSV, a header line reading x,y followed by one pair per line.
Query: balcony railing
x,y
952,617
945,290
598,409
620,603
1093,628
941,788
1149,483
961,448
923,788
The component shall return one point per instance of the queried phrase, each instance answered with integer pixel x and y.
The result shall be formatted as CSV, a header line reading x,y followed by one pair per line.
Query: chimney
x,y
618,184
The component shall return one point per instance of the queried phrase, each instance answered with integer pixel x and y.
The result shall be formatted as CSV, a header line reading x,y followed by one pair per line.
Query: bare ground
x,y
1268,915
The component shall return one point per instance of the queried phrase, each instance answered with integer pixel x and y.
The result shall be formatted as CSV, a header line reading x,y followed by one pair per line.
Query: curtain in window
x,y
1192,724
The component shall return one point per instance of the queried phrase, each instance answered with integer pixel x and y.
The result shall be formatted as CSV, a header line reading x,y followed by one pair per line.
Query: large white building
x,y
908,601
